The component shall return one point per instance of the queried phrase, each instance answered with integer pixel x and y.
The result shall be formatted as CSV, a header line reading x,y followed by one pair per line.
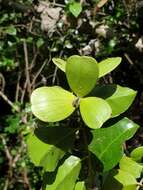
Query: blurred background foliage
x,y
31,34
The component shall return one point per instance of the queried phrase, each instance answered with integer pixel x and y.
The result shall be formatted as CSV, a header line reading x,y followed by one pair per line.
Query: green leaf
x,y
43,154
82,74
11,30
94,111
108,65
119,98
127,180
48,145
60,63
75,8
130,166
80,185
67,175
137,154
107,142
51,104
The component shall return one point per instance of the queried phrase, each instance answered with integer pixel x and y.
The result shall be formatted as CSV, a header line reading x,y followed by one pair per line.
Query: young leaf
x,y
107,142
137,154
119,98
60,63
43,154
130,166
48,145
67,175
82,74
108,65
75,8
80,186
127,180
51,104
94,111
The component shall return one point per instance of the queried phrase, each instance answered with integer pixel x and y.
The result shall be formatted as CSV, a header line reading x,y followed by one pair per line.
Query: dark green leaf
x,y
107,142
82,74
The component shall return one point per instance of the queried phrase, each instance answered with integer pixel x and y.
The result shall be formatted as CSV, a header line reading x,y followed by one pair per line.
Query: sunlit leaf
x,y
60,63
82,74
127,180
75,8
67,175
94,111
48,145
51,104
43,154
80,186
107,142
137,154
119,98
108,65
130,166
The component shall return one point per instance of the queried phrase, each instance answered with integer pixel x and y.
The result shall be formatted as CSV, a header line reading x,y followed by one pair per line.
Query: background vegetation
x,y
31,34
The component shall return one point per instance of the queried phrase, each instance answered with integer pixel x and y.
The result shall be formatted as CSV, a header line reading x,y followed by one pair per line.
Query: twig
x,y
2,82
39,71
27,67
128,58
16,108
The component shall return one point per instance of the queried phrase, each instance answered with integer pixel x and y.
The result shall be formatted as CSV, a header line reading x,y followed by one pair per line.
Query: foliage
x,y
52,104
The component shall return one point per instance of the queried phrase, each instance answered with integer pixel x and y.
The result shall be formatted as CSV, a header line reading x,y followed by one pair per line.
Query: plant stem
x,y
89,162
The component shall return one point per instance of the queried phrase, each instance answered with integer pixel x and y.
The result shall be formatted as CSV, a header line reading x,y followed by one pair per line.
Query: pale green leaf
x,y
48,144
67,175
108,65
127,180
119,98
107,142
51,104
42,154
94,111
75,8
80,185
60,63
82,74
137,154
130,166
11,30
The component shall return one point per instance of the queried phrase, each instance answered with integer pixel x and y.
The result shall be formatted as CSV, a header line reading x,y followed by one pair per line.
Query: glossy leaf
x,y
60,63
67,175
130,166
43,154
137,154
75,8
127,180
51,104
107,142
82,74
119,98
94,111
80,185
108,65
